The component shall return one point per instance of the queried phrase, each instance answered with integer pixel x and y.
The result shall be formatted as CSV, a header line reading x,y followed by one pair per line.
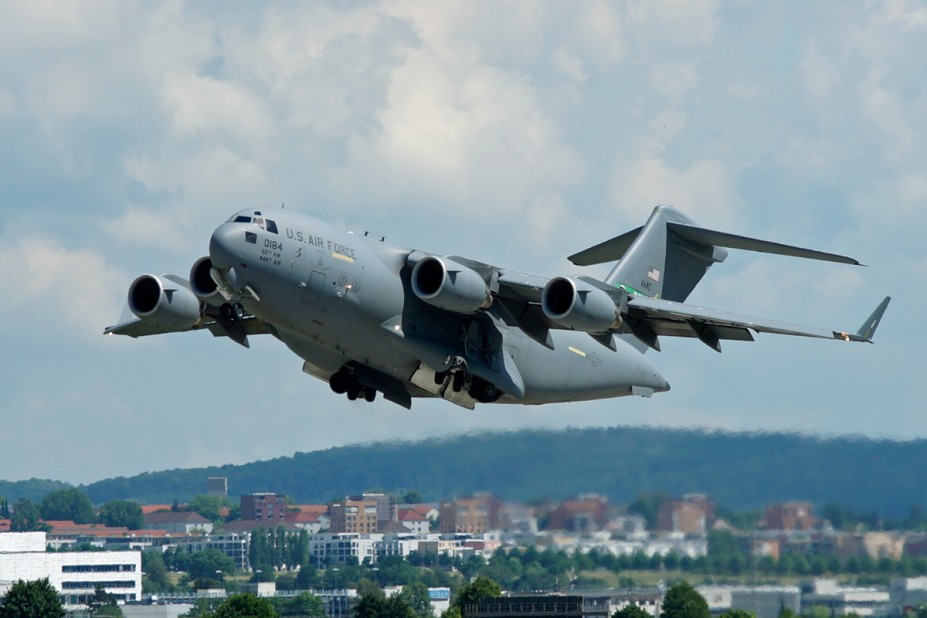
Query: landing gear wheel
x,y
440,377
483,391
370,395
339,383
227,315
353,392
238,311
458,381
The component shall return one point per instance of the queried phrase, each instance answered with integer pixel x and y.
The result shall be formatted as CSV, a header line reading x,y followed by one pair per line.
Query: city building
x,y
692,514
474,515
177,522
413,520
75,575
264,507
354,516
235,545
908,592
762,601
789,516
587,513
386,506
840,600
217,486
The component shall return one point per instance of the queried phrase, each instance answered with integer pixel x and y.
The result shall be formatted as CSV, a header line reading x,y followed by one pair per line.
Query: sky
x,y
512,133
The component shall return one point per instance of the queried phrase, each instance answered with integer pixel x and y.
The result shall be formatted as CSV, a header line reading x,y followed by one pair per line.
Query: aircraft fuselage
x,y
337,298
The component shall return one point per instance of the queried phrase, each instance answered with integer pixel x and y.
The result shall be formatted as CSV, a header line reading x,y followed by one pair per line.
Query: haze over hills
x,y
741,471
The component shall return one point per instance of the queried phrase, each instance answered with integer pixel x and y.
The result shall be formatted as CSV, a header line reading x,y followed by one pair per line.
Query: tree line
x,y
69,505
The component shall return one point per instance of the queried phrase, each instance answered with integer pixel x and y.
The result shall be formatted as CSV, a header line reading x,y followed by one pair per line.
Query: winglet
x,y
868,329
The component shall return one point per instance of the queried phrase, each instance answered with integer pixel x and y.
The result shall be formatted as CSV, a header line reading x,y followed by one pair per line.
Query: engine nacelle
x,y
165,303
448,285
579,306
201,282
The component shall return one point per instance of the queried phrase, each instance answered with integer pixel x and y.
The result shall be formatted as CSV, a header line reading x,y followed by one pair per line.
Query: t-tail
x,y
667,256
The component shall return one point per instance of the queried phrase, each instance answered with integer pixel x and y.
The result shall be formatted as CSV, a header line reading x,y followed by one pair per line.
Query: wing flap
x,y
674,319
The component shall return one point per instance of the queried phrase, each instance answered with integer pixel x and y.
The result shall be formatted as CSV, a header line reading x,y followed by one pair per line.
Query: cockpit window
x,y
258,220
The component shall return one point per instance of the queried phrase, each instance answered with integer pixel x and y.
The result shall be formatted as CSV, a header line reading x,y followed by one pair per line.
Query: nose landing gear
x,y
230,314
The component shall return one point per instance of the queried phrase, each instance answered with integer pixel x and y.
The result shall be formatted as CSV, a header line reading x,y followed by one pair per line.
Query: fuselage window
x,y
242,219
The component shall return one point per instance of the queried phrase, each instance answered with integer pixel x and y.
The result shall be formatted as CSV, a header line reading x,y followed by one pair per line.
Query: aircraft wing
x,y
664,317
171,307
648,318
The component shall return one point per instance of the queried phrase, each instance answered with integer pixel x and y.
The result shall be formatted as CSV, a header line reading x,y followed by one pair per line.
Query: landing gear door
x,y
314,288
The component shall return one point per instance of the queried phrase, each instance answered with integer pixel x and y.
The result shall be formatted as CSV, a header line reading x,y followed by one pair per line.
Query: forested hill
x,y
741,471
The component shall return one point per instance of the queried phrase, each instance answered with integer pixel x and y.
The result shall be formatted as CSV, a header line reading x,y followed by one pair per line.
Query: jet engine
x,y
201,282
163,302
448,285
579,306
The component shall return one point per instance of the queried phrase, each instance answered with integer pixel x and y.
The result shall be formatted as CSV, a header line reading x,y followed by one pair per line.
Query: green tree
x,y
4,509
646,505
683,601
371,604
416,597
480,588
26,517
31,599
209,507
67,504
631,610
412,496
104,603
245,606
205,564
737,613
303,605
124,513
155,578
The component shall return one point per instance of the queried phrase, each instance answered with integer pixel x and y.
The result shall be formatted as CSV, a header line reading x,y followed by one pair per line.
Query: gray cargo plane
x,y
369,317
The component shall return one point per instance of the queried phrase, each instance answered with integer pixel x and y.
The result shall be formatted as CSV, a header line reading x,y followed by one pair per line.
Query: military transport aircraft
x,y
369,317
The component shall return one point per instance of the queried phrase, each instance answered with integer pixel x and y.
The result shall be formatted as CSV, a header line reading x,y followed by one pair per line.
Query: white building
x,y
342,547
75,575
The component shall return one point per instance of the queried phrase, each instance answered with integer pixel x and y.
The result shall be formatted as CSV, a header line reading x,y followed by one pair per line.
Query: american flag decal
x,y
654,274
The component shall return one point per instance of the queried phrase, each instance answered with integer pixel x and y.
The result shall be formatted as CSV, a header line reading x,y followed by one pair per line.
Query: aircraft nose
x,y
225,246
656,381
649,378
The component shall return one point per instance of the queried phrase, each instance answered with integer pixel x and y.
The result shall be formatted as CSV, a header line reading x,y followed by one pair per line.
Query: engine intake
x,y
579,306
201,282
448,285
163,302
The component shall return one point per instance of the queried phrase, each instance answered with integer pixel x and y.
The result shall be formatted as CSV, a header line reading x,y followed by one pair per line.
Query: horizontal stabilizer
x,y
734,241
607,251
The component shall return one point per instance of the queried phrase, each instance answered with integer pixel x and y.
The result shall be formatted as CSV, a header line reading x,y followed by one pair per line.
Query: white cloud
x,y
673,22
204,107
569,65
704,190
911,14
65,292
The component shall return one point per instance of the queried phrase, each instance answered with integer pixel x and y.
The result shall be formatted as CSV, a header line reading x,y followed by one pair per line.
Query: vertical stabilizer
x,y
662,264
